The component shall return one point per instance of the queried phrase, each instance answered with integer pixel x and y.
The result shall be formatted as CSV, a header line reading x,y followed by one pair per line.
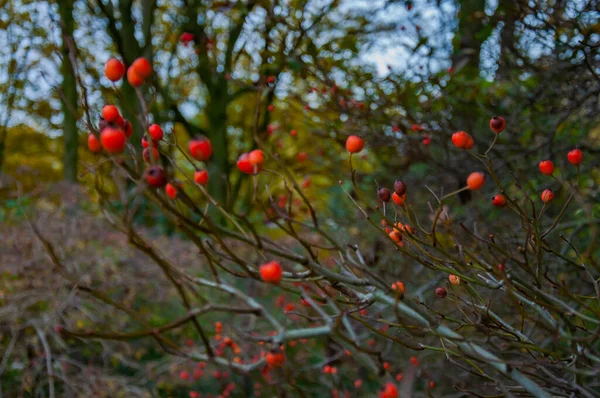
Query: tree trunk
x,y
217,131
469,38
69,90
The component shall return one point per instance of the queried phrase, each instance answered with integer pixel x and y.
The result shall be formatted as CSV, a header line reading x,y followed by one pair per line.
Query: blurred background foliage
x,y
402,74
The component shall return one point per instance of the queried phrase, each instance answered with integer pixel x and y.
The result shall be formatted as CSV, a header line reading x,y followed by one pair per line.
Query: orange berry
x,y
156,132
142,67
256,157
398,286
475,180
454,279
201,177
110,113
114,69
546,167
499,201
354,144
113,140
94,144
275,358
469,143
547,195
575,157
133,78
396,236
271,272
497,124
460,139
399,200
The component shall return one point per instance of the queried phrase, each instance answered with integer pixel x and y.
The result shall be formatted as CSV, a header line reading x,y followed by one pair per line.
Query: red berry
x,y
497,124
155,176
156,132
441,292
150,156
547,195
460,139
499,201
243,164
271,79
293,133
113,140
547,167
184,375
301,157
186,37
146,142
94,143
200,148
110,113
256,157
390,391
127,129
171,191
201,177
475,180
354,144
575,157
114,69
142,67
271,272
133,78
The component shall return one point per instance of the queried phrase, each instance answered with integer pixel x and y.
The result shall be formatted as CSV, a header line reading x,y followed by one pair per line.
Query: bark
x,y
469,38
217,133
69,90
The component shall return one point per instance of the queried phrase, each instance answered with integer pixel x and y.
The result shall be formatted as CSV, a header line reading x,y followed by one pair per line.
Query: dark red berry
x,y
384,195
400,187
